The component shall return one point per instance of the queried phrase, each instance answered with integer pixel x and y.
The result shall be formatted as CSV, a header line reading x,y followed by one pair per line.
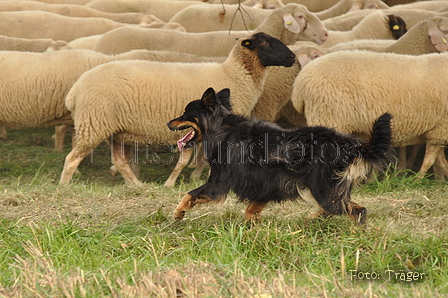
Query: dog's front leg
x,y
188,202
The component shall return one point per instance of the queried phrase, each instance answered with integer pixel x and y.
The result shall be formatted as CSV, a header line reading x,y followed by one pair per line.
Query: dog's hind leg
x,y
253,211
357,213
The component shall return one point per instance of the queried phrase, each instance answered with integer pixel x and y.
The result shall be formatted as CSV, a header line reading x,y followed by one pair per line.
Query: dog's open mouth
x,y
187,140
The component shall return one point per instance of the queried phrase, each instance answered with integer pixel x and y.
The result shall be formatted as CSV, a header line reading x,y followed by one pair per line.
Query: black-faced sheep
x,y
348,89
427,36
289,24
132,100
376,25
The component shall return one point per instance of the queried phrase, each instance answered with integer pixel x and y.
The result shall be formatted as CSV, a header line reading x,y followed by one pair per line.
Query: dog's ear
x,y
208,98
224,98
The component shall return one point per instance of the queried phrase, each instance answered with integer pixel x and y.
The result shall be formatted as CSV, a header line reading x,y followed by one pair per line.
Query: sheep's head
x,y
270,50
438,33
397,26
299,20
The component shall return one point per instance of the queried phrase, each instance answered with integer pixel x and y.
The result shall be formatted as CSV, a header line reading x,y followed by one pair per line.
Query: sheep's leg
x,y
253,211
184,159
59,133
401,165
72,162
3,133
200,163
430,157
121,162
413,156
441,165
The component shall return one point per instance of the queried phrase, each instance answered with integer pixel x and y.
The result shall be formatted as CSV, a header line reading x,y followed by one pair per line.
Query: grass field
x,y
100,238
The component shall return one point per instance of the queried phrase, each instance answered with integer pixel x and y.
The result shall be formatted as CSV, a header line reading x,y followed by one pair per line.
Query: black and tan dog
x,y
261,162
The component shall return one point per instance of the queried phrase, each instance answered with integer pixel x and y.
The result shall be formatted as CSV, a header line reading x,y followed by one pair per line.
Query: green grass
x,y
101,238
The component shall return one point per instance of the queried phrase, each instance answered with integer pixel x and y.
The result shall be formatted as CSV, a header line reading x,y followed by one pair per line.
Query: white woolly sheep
x,y
204,18
77,2
347,90
89,42
427,5
344,6
133,99
38,100
51,25
72,10
427,36
264,4
235,17
312,5
410,16
163,9
8,43
376,25
160,56
289,24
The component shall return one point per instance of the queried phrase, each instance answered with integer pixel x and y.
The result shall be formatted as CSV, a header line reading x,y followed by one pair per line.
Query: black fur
x,y
261,162
397,26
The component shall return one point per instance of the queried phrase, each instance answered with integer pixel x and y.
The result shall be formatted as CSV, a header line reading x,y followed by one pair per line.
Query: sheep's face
x,y
397,26
270,50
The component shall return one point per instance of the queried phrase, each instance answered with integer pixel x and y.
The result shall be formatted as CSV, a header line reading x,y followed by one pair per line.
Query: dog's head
x,y
201,115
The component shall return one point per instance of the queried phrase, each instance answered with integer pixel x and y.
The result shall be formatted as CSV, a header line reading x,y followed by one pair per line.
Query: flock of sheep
x,y
123,68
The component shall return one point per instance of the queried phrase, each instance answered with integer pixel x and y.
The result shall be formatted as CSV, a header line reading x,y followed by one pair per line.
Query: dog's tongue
x,y
182,142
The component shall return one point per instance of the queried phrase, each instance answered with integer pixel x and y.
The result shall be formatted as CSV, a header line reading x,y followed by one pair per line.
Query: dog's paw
x,y
179,215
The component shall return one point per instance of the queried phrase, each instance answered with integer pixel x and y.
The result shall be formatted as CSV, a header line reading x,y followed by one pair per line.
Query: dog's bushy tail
x,y
378,151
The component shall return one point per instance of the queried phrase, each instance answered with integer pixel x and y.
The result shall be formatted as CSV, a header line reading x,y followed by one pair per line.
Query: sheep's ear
x,y
208,98
290,23
224,98
438,39
248,43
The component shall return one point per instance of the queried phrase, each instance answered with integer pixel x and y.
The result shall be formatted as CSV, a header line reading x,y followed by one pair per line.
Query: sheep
x,y
410,16
31,45
163,9
350,99
376,25
427,36
427,5
142,95
34,85
344,6
264,4
77,2
289,24
51,25
89,42
312,5
204,18
72,10
235,17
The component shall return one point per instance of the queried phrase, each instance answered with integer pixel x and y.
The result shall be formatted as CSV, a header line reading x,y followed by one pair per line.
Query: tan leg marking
x,y
188,202
253,211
